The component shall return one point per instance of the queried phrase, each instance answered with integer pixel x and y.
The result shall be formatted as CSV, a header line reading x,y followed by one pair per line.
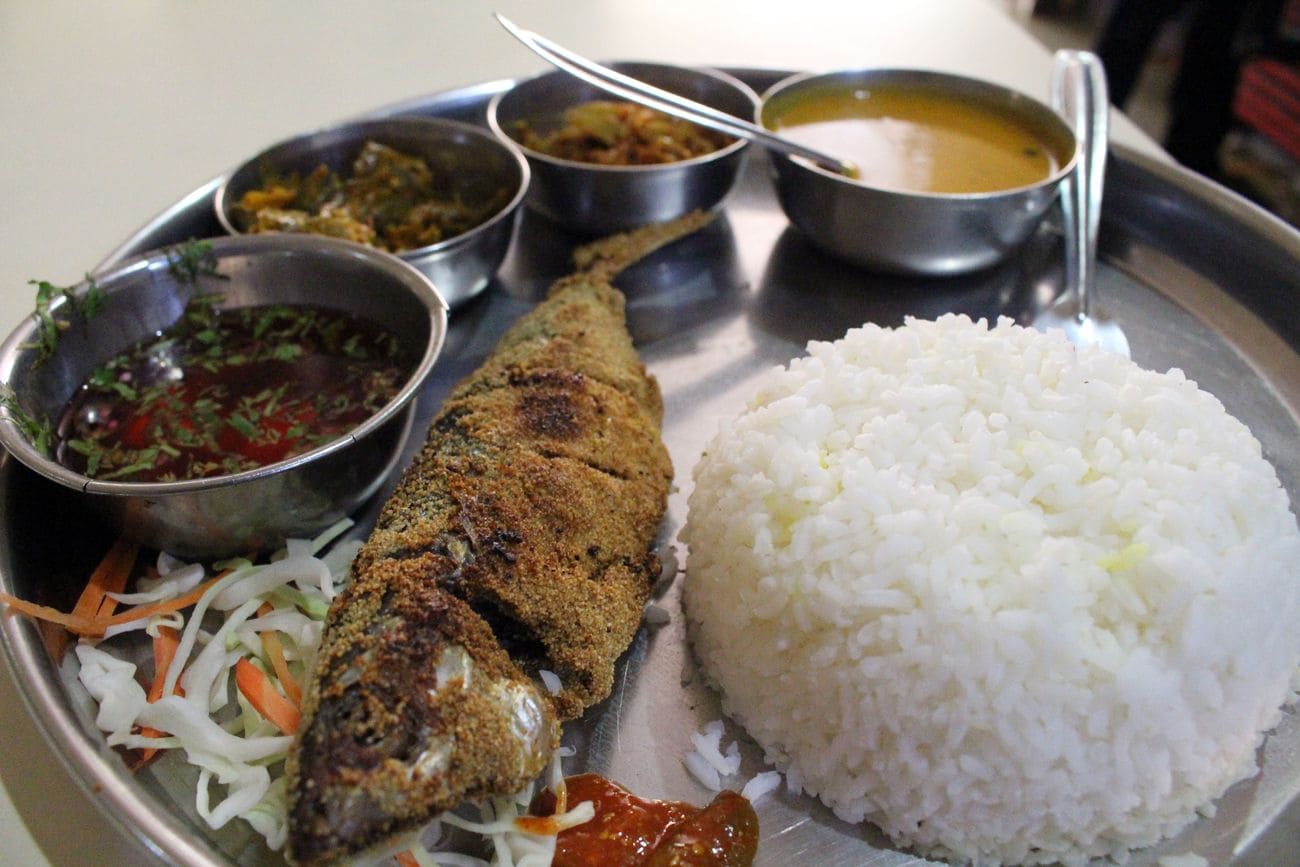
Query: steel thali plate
x,y
1200,279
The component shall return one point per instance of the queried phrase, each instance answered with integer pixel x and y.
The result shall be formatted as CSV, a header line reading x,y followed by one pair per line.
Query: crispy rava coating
x,y
520,539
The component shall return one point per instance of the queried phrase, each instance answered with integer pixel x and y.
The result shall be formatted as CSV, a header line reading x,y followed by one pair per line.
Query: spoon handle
x,y
1079,94
662,100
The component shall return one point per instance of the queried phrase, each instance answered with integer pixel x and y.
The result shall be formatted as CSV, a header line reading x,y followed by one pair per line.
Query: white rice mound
x,y
1011,601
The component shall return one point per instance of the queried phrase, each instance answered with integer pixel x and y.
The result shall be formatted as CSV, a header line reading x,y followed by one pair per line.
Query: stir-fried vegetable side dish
x,y
621,134
388,199
225,391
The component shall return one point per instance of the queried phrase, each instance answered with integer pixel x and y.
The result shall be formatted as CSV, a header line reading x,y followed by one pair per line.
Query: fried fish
x,y
518,541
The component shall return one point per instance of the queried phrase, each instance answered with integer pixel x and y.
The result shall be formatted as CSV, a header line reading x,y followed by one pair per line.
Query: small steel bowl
x,y
256,509
596,199
913,232
476,166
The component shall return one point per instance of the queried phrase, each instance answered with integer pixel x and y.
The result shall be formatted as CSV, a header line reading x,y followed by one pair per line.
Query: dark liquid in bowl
x,y
916,139
224,391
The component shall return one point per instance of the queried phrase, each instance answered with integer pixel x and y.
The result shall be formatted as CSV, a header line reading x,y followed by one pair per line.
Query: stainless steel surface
x,y
258,508
1208,282
911,232
473,165
665,101
596,199
1079,93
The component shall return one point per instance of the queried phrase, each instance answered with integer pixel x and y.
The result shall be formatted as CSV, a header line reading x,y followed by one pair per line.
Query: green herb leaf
x,y
48,327
352,347
192,260
126,391
287,352
242,425
82,447
101,377
93,301
38,432
145,459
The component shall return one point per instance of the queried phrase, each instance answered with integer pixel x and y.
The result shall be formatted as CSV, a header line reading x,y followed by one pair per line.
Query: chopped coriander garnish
x,y
229,390
38,432
48,328
192,260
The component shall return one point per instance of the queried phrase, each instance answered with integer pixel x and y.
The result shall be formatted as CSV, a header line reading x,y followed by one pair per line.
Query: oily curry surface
x,y
917,139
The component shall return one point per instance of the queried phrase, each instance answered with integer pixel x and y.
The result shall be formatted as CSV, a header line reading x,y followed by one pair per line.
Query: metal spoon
x,y
667,102
1079,94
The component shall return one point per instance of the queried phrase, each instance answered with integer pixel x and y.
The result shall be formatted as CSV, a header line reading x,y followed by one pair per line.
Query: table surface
x,y
113,112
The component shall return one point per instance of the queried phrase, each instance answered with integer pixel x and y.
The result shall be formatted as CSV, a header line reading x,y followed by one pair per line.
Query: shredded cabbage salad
x,y
268,616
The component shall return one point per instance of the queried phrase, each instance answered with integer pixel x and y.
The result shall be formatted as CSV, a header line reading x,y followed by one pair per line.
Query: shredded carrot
x,y
93,627
406,859
164,651
110,576
80,625
263,696
166,606
275,651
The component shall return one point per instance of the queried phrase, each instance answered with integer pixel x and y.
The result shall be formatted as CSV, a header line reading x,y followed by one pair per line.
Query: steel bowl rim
x,y
736,146
13,440
991,87
416,122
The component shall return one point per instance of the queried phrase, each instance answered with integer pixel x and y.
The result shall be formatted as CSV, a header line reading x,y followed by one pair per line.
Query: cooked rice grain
x,y
1007,599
